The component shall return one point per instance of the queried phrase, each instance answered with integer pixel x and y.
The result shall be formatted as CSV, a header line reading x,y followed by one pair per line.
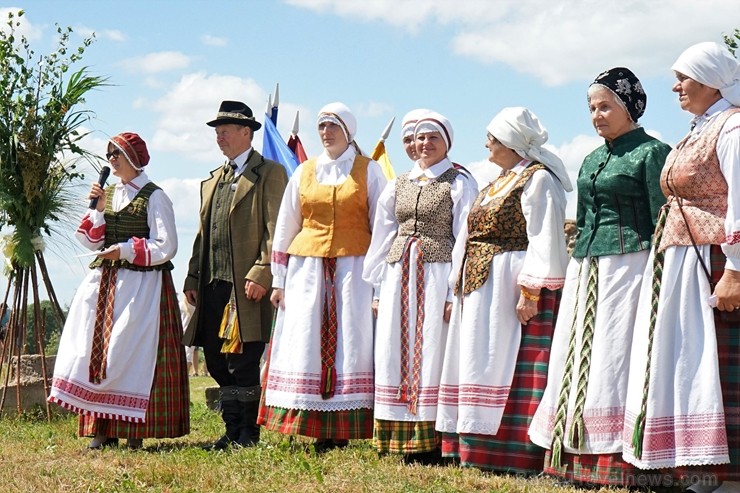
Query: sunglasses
x,y
113,154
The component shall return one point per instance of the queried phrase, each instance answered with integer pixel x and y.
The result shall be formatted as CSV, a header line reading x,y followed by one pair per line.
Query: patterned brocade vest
x,y
693,176
425,212
129,222
336,218
497,227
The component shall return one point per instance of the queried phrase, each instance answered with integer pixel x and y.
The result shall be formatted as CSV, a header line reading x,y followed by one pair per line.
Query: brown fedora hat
x,y
237,113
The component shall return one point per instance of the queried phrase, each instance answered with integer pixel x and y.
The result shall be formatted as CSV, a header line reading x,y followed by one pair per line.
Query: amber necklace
x,y
494,190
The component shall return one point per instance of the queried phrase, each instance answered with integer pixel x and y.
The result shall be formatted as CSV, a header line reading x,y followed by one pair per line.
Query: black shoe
x,y
221,444
249,436
431,458
134,443
108,442
327,444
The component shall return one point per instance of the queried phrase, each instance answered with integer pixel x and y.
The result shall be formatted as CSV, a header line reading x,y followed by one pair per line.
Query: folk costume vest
x,y
418,215
335,217
129,222
219,249
692,176
497,227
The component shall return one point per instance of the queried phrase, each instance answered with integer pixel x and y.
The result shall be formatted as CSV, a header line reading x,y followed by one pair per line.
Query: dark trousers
x,y
241,370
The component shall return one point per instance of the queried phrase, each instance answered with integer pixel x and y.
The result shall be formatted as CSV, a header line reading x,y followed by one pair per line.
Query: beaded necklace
x,y
493,190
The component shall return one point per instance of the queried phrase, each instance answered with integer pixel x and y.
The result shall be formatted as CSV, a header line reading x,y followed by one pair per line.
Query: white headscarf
x,y
434,122
713,65
339,114
409,121
521,131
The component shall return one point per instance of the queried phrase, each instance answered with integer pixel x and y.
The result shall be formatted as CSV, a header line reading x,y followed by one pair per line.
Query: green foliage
x,y
40,129
52,329
732,40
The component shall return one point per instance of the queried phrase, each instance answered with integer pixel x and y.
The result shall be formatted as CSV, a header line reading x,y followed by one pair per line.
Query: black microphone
x,y
104,172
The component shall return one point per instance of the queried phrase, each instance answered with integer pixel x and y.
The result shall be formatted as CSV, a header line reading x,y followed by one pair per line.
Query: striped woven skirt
x,y
168,411
405,437
510,450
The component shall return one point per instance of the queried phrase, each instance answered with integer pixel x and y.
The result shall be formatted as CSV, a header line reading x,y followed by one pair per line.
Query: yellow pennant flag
x,y
381,157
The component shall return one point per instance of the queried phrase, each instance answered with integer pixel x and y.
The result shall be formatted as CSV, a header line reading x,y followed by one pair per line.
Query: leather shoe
x,y
221,444
134,443
98,443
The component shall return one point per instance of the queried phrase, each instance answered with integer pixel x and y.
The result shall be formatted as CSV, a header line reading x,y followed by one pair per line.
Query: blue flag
x,y
275,148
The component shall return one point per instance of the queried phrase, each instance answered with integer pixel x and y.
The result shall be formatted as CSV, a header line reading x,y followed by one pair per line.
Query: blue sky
x,y
171,63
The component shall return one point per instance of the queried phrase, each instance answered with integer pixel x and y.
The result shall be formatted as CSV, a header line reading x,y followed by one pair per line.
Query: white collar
x,y
432,172
241,161
136,184
700,121
324,159
521,166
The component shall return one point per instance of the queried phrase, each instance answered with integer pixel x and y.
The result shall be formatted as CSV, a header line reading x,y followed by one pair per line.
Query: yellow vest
x,y
336,218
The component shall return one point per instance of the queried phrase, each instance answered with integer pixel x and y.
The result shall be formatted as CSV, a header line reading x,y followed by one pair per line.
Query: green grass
x,y
39,457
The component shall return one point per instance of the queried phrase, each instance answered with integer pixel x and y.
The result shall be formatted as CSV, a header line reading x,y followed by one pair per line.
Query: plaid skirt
x,y
606,469
168,412
510,450
351,424
405,437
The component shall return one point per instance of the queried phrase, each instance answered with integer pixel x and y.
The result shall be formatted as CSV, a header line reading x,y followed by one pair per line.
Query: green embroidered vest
x,y
129,222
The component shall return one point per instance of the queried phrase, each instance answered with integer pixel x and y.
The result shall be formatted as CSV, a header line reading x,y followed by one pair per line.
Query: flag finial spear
x,y
387,130
268,110
295,123
276,101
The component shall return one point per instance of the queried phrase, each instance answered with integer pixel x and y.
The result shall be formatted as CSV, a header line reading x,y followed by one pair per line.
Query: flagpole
x,y
275,103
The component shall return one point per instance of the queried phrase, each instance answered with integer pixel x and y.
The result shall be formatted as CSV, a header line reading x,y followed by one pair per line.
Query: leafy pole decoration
x,y
40,129
731,40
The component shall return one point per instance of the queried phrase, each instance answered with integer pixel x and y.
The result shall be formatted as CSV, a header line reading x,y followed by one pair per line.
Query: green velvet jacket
x,y
619,195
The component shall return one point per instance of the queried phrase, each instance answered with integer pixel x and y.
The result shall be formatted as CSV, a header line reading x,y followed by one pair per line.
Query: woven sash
x,y
576,435
329,331
658,258
408,390
103,325
562,405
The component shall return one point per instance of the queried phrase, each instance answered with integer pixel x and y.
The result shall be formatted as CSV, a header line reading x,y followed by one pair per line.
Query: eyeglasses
x,y
113,154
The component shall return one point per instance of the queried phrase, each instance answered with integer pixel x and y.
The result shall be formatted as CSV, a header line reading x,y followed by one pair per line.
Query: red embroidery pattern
x,y
93,235
696,435
87,394
308,383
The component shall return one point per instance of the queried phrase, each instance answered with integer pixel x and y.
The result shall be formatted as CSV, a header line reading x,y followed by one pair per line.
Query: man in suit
x,y
231,263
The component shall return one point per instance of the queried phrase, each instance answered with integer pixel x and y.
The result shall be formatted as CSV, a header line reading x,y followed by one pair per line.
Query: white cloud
x,y
411,15
556,42
196,98
484,172
185,197
161,61
372,109
108,34
209,40
572,153
25,27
